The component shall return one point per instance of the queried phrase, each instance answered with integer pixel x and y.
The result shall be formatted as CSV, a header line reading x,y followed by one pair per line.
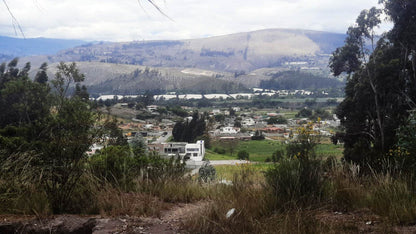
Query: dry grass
x,y
113,202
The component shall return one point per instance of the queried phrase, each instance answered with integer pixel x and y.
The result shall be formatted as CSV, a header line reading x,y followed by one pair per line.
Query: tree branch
x,y
14,19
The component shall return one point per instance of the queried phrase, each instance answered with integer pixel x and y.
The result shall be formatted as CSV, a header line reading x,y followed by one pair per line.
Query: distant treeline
x,y
291,80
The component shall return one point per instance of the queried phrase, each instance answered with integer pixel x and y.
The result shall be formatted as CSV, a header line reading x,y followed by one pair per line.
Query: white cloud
x,y
124,20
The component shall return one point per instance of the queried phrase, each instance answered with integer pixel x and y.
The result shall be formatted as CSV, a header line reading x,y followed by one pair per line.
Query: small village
x,y
226,126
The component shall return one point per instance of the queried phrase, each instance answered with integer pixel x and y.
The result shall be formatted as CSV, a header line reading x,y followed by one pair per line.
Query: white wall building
x,y
229,130
248,122
193,152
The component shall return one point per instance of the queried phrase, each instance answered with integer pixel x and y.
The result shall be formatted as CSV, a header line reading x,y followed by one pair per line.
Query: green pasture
x,y
260,150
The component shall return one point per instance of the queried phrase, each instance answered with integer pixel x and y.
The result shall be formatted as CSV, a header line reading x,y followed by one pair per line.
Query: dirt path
x,y
169,222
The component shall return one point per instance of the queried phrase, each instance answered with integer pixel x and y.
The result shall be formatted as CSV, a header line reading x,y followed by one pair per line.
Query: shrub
x,y
159,169
277,156
305,143
219,150
243,155
115,165
207,172
297,182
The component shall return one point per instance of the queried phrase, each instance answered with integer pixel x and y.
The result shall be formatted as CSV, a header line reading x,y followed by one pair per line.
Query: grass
x,y
260,150
259,208
384,200
227,172
326,150
211,155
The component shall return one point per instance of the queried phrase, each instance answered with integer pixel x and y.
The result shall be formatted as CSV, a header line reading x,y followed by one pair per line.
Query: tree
x,y
190,131
304,113
277,120
41,75
49,131
372,111
258,135
70,134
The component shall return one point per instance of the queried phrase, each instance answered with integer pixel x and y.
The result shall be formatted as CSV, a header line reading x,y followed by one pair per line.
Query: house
x,y
152,108
248,122
273,130
216,111
229,130
191,153
236,109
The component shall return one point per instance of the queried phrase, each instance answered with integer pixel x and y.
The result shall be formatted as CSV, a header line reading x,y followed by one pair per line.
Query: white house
x,y
229,130
216,111
190,152
152,108
236,109
248,122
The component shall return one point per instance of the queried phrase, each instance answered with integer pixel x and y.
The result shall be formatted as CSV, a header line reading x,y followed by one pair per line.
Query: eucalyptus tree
x,y
380,86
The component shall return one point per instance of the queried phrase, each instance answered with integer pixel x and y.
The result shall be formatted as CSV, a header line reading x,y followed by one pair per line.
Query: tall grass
x,y
393,198
297,182
245,196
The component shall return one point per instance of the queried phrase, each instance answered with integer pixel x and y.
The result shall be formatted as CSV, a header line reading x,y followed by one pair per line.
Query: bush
x,y
160,169
243,155
219,150
297,182
304,113
115,165
277,156
207,172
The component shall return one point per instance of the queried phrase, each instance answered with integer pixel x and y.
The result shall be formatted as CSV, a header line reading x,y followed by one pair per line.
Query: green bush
x,y
159,169
207,172
115,165
277,156
219,150
243,155
297,182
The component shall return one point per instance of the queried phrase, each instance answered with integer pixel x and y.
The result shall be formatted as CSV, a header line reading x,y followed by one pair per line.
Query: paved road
x,y
228,162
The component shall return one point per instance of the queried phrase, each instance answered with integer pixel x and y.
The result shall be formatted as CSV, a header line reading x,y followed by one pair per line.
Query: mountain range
x,y
20,47
241,59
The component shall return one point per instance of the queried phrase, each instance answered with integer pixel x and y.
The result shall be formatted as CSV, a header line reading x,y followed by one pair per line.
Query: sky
x,y
128,20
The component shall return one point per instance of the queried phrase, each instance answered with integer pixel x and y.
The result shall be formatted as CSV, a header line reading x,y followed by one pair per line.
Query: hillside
x,y
236,52
222,63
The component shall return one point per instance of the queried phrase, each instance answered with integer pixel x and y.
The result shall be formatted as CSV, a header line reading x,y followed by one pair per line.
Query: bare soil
x,y
170,221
